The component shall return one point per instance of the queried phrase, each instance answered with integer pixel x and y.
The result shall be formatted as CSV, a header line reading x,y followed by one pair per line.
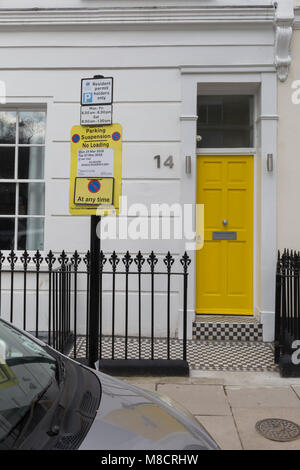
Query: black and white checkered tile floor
x,y
201,355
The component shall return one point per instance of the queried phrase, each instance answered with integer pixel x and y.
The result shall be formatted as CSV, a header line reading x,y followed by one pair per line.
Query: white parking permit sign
x,y
96,91
96,115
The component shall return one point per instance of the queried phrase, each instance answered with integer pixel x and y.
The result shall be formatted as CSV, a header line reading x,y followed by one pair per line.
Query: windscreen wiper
x,y
30,415
61,404
21,360
60,370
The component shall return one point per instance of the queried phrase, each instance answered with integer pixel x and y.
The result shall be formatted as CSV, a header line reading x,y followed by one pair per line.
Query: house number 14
x,y
168,162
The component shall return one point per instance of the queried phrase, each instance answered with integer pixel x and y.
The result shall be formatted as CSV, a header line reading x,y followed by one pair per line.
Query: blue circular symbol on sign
x,y
94,186
75,138
116,136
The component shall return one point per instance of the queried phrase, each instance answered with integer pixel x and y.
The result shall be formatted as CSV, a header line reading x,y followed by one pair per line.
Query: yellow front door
x,y
225,263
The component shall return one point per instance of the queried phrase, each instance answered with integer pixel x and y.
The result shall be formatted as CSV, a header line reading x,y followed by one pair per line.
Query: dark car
x,y
49,401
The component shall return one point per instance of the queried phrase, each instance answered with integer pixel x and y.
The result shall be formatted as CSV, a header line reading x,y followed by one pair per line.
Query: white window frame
x,y
16,180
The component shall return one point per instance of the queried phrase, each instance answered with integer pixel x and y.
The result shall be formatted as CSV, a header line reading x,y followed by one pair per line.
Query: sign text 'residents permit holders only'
x,y
96,169
96,91
96,101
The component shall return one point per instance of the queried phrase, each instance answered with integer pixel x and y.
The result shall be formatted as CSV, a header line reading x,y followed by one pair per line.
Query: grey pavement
x,y
229,404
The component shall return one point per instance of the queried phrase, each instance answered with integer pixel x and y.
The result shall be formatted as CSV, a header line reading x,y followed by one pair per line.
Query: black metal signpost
x,y
94,292
93,345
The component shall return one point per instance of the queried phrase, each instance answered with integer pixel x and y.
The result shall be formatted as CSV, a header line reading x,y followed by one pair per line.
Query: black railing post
x,y
278,310
53,310
298,297
69,277
75,260
12,259
185,261
139,261
60,308
50,260
291,294
87,262
25,259
37,259
67,298
102,263
295,296
284,322
56,309
63,300
127,260
114,261
295,277
169,261
152,261
93,353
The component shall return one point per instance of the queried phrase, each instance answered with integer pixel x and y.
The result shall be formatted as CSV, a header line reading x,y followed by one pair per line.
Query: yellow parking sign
x,y
94,191
96,169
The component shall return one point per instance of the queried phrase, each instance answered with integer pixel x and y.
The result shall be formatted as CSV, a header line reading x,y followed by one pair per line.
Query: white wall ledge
x,y
137,15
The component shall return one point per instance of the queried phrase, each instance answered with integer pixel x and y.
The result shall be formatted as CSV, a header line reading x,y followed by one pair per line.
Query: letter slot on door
x,y
224,235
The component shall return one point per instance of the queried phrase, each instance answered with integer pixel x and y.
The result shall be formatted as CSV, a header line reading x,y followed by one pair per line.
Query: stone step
x,y
227,328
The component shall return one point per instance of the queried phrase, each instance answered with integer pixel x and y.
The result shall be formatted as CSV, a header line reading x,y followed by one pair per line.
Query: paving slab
x,y
145,385
246,378
174,380
156,380
206,380
199,399
223,430
263,397
246,418
296,389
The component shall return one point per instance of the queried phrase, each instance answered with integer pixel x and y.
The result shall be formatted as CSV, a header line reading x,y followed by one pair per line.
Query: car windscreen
x,y
26,371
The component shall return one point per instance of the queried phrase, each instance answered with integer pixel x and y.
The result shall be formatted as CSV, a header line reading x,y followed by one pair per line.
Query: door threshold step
x,y
227,328
225,319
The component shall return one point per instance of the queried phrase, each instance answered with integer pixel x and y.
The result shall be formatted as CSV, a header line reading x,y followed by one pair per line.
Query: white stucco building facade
x,y
167,59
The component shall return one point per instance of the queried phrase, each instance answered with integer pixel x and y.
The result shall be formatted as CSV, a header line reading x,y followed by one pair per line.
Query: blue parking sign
x,y
87,97
97,91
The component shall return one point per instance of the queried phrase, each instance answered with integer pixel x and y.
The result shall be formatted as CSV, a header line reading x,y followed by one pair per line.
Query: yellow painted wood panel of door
x,y
224,279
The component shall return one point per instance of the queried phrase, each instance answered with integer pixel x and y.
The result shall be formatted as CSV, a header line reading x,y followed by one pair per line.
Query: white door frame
x,y
263,84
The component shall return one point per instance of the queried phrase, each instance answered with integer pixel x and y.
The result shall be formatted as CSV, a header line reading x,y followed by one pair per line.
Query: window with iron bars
x,y
22,184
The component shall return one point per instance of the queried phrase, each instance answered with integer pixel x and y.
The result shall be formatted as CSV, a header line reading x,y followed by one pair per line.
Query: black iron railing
x,y
135,268
37,295
53,300
287,311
